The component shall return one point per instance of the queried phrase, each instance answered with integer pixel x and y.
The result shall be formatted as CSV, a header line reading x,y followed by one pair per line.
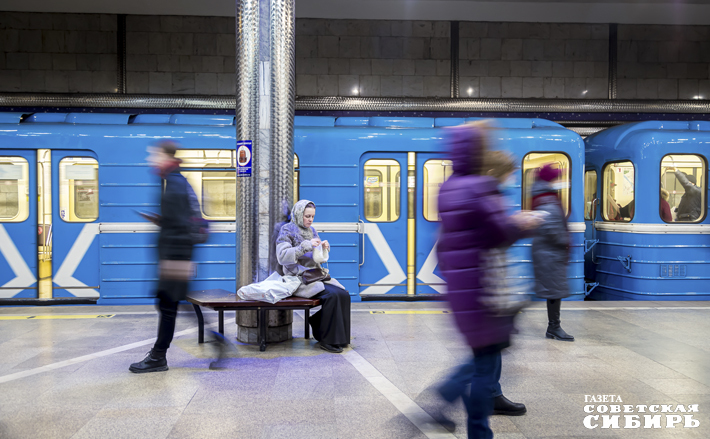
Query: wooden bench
x,y
222,300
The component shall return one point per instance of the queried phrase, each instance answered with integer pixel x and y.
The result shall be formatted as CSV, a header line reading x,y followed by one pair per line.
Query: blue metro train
x,y
644,243
71,184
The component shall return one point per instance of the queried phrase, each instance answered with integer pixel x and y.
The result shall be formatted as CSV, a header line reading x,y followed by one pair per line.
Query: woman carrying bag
x,y
295,246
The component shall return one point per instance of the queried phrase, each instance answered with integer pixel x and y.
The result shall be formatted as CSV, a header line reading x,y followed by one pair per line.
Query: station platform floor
x,y
64,374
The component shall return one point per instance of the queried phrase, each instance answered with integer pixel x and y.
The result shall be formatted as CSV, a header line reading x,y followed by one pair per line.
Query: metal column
x,y
265,96
247,124
283,94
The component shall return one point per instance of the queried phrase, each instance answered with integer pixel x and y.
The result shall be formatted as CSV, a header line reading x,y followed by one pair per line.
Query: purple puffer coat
x,y
473,218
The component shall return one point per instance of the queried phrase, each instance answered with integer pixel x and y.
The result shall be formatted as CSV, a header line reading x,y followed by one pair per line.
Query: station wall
x,y
195,55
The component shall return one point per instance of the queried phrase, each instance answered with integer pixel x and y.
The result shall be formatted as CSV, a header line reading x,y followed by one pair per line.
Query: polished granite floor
x,y
67,377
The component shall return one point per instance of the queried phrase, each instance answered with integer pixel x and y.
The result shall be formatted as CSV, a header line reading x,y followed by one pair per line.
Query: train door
x,y
73,228
432,171
18,224
383,264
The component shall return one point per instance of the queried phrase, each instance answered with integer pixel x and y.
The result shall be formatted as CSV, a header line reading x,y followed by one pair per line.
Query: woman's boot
x,y
554,330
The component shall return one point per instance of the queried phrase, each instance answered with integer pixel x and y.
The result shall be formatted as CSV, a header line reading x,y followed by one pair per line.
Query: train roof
x,y
417,122
634,139
226,120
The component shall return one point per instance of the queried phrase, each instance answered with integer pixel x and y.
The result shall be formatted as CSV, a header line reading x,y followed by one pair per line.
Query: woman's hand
x,y
326,245
315,242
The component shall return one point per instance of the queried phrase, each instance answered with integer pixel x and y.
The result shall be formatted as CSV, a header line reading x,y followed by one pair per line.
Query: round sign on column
x,y
244,158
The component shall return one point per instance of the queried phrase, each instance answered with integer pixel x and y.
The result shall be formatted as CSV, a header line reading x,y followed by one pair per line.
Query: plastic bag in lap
x,y
271,290
320,254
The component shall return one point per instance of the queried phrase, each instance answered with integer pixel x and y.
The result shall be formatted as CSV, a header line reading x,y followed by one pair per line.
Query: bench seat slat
x,y
219,298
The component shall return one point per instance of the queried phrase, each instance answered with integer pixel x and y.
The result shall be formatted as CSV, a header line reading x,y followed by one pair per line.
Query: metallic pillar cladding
x,y
334,103
283,90
247,124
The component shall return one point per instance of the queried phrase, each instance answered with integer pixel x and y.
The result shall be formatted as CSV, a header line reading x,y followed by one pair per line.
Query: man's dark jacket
x,y
174,241
690,207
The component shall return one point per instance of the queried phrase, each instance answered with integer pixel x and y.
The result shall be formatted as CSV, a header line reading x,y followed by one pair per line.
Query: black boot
x,y
554,330
504,406
153,362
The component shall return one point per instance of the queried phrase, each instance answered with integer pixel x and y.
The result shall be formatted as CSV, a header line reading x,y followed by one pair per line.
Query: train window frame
x,y
391,209
605,195
67,198
197,173
425,192
592,207
703,201
23,209
569,180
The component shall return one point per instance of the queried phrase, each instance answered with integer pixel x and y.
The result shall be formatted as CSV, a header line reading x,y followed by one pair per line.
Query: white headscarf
x,y
297,218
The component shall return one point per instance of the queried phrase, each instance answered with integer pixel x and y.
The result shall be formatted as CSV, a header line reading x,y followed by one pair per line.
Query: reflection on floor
x,y
52,386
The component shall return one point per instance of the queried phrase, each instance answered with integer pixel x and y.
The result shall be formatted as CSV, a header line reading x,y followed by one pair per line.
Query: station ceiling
x,y
682,12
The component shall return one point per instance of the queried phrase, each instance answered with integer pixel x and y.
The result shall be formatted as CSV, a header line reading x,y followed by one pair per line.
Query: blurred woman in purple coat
x,y
474,222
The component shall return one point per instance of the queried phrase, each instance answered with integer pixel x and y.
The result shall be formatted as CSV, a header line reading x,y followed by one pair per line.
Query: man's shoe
x,y
556,332
331,348
504,406
153,362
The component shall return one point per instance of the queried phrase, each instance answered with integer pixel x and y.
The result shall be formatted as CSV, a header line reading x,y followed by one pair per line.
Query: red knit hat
x,y
549,173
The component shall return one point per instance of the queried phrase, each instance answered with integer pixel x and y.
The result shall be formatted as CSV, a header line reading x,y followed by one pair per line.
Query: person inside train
x,y
294,251
550,248
175,246
627,212
666,214
474,221
690,206
613,208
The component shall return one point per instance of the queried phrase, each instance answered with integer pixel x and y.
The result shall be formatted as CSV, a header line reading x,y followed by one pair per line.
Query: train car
x,y
656,249
375,181
72,185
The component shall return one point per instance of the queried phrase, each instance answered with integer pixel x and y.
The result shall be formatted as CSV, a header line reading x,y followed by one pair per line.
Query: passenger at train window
x,y
618,194
627,212
666,214
690,206
294,251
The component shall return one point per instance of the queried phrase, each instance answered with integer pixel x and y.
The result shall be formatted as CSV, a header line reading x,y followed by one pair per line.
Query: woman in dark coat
x,y
473,221
550,249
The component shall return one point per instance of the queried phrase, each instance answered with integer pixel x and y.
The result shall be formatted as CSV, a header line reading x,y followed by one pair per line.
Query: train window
x,y
14,189
217,193
590,194
681,199
382,190
436,172
212,175
296,175
206,158
532,162
618,203
78,189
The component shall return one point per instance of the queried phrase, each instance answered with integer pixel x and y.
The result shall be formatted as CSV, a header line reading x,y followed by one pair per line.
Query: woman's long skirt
x,y
331,324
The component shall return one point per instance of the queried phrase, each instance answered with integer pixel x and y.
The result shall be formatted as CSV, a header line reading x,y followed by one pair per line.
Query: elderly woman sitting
x,y
294,251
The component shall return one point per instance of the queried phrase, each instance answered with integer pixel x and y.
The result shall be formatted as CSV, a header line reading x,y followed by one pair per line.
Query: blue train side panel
x,y
647,258
114,257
